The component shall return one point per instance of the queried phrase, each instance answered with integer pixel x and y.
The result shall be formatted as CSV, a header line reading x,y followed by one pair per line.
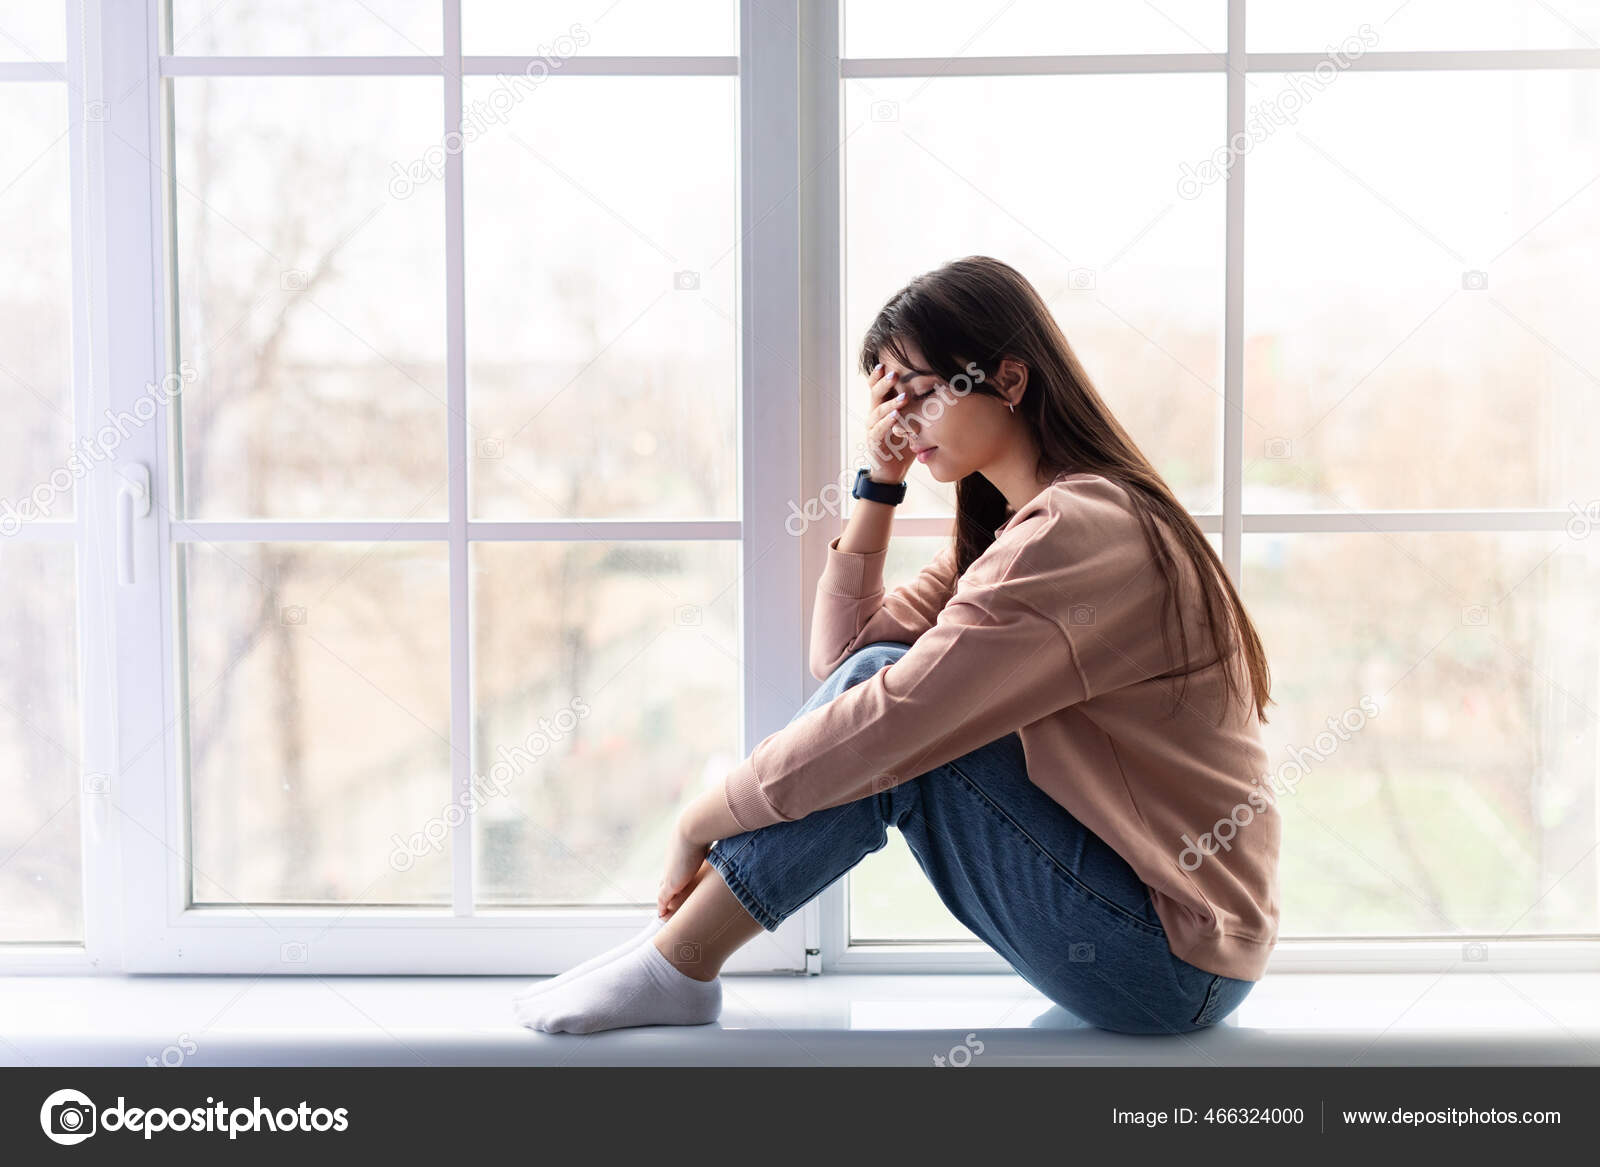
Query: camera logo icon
x,y
68,1117
686,281
1474,281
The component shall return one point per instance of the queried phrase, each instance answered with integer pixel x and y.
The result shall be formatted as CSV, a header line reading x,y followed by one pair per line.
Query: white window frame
x,y
93,564
791,341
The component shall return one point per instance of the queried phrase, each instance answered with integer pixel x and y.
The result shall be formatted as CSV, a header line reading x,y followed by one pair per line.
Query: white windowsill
x,y
839,1019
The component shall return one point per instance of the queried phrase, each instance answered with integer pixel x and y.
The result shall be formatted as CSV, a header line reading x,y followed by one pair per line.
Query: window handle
x,y
133,501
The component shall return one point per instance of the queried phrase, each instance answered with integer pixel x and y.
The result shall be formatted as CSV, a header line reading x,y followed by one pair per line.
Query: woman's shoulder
x,y
1077,521
1077,503
1084,489
1080,535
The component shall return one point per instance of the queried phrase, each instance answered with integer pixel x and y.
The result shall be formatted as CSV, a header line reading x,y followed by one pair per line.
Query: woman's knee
x,y
868,659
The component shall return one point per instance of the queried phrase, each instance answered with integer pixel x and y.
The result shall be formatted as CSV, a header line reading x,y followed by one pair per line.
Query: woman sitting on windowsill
x,y
1061,713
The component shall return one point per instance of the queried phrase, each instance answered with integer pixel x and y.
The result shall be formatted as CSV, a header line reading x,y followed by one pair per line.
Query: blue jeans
x,y
1063,909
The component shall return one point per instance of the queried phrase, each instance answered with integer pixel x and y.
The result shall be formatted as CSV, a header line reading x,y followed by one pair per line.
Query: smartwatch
x,y
893,493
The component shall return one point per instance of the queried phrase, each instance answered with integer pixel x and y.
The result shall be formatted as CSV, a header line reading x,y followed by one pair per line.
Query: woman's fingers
x,y
886,387
889,400
882,385
668,902
884,429
885,413
887,436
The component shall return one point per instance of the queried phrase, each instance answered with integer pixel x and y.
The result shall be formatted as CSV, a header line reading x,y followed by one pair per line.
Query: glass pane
x,y
318,697
1420,24
292,28
35,31
561,28
600,710
1419,326
36,481
41,878
311,296
1433,748
891,899
961,28
600,311
1131,268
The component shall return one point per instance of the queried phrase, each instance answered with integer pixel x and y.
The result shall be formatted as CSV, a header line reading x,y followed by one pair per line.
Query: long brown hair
x,y
981,310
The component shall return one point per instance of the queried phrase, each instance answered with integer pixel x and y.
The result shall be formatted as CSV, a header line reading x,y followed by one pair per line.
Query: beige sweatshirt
x,y
1053,632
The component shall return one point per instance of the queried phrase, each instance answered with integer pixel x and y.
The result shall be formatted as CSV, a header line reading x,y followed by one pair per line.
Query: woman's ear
x,y
1011,378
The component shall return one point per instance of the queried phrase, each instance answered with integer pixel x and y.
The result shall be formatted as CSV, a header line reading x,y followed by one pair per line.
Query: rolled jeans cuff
x,y
729,870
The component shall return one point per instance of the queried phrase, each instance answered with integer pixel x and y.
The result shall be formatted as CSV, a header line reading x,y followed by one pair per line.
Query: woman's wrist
x,y
707,818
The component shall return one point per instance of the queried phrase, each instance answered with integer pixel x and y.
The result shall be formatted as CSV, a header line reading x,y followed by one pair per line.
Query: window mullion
x,y
96,701
462,892
1233,311
770,386
822,160
123,277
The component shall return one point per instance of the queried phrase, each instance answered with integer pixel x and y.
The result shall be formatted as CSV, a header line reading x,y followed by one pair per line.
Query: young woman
x,y
1061,713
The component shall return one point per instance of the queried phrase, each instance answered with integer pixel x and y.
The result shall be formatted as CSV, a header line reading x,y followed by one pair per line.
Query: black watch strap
x,y
892,493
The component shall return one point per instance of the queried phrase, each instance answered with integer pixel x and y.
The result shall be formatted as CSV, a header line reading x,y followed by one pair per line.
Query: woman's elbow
x,y
822,663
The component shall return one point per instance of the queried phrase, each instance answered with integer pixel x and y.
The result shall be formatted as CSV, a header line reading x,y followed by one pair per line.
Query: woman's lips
x,y
924,455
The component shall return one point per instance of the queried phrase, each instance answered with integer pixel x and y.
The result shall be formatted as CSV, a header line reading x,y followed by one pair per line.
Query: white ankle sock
x,y
650,929
640,987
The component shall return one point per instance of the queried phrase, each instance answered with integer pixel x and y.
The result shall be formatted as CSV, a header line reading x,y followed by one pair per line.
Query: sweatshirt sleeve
x,y
990,663
851,609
